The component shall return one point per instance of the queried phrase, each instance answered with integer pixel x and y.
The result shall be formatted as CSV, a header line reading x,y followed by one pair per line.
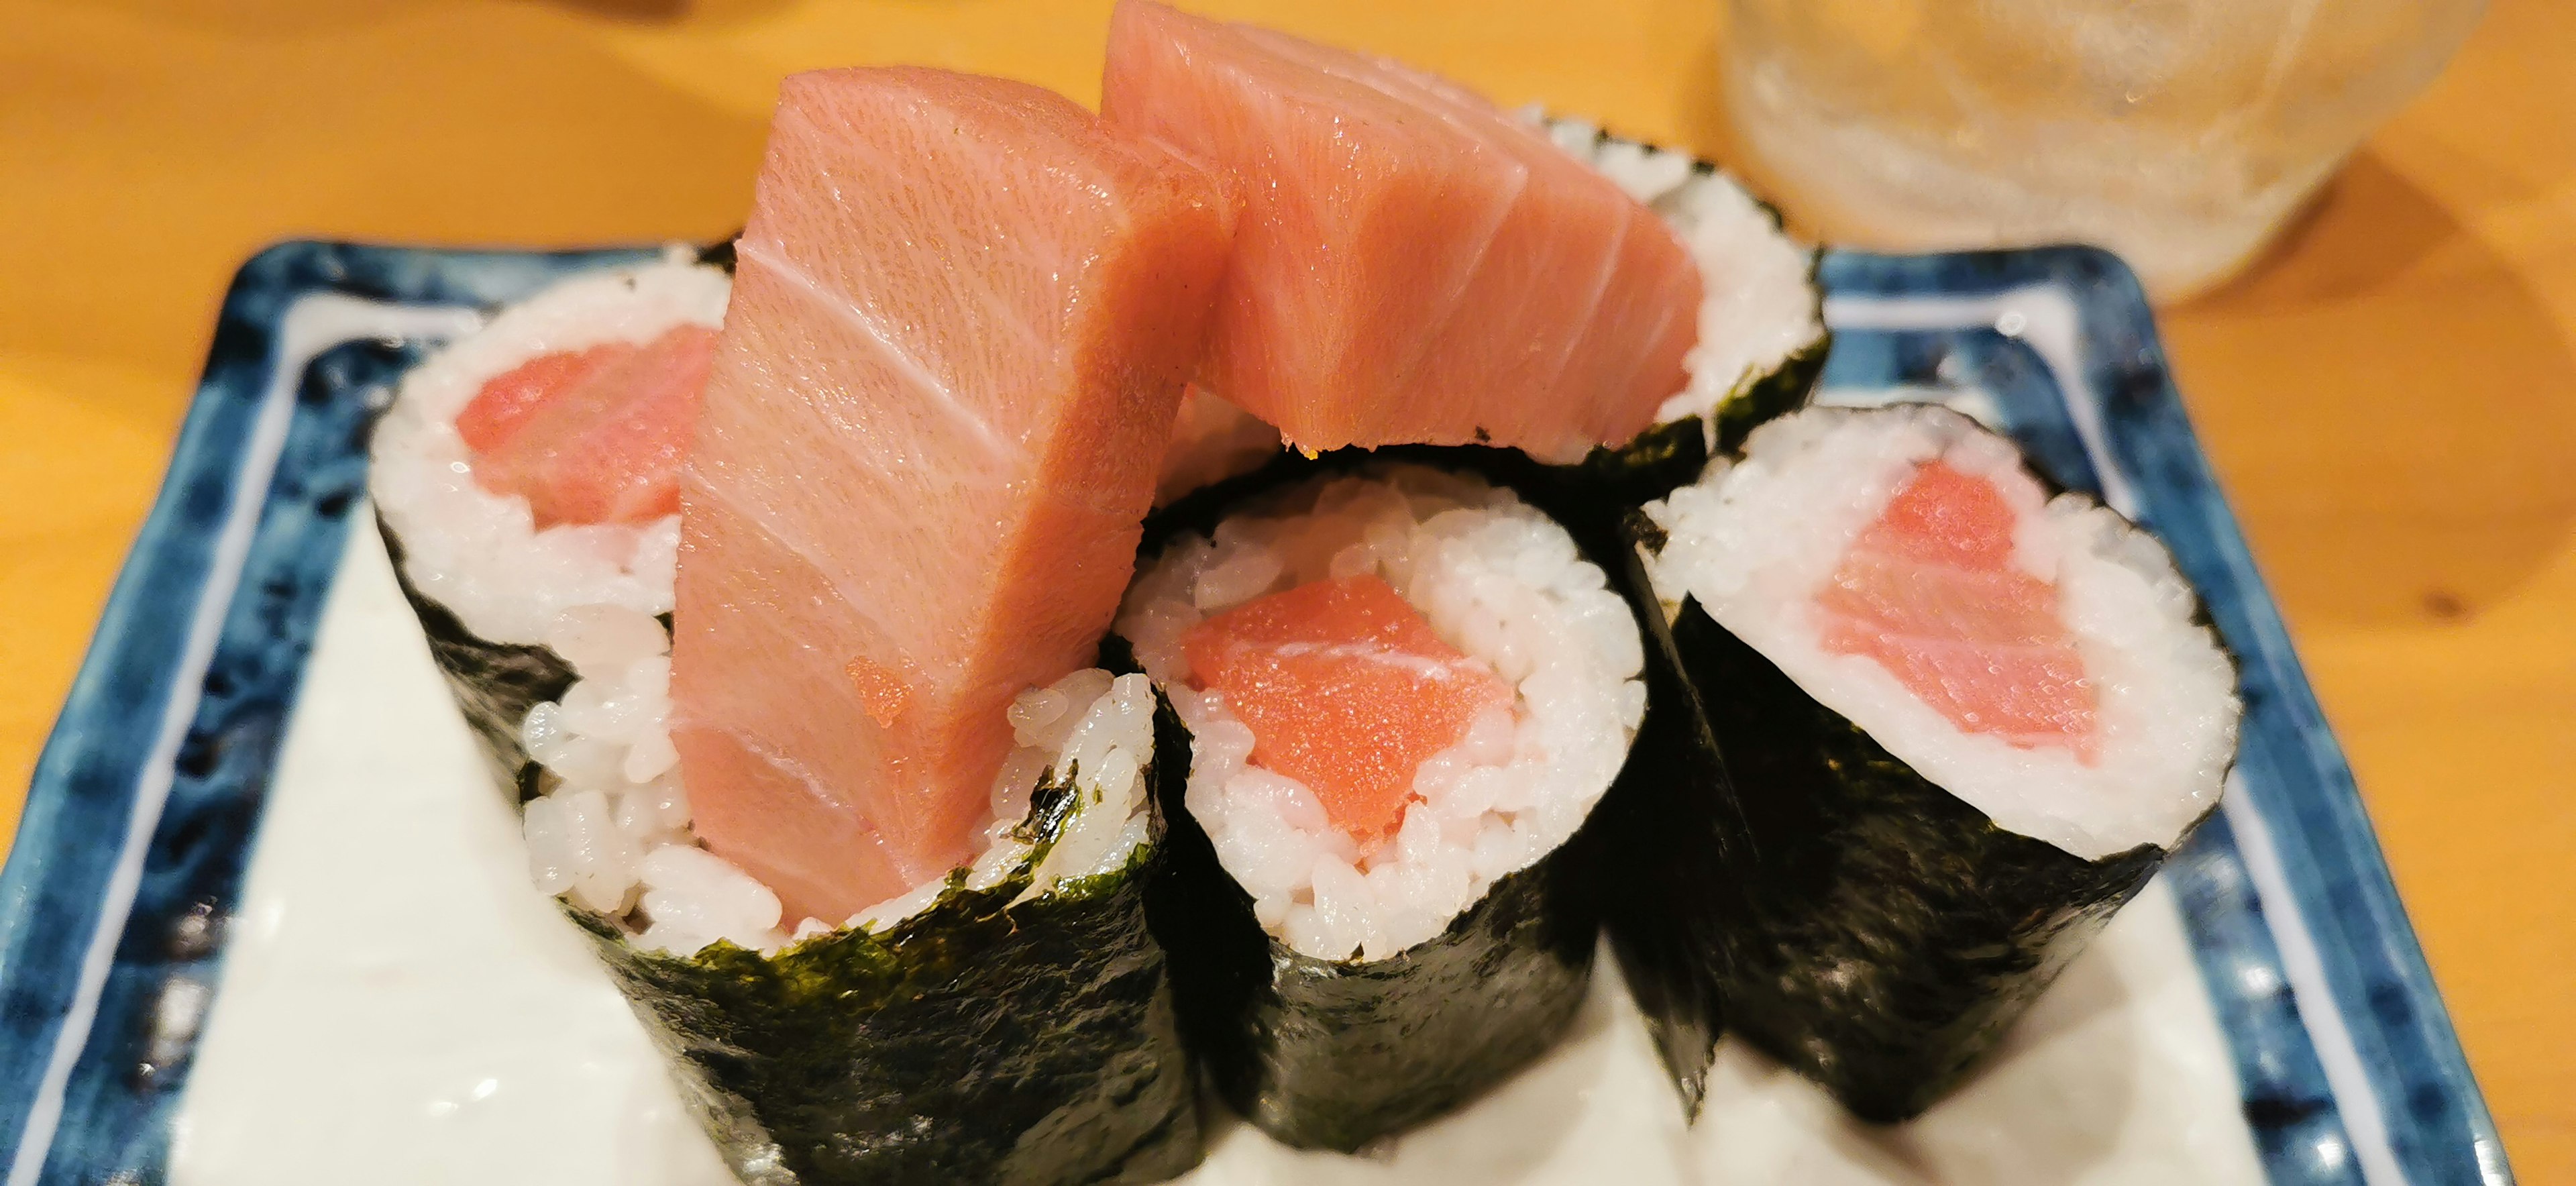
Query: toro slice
x,y
1413,264
964,312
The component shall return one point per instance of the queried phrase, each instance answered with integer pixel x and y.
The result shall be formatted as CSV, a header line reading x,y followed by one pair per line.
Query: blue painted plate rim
x,y
235,544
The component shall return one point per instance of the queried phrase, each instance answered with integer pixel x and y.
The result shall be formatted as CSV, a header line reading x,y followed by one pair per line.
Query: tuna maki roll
x,y
1956,724
1406,690
532,469
786,633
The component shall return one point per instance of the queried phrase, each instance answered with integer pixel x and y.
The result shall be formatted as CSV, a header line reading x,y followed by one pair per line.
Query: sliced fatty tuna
x,y
1413,264
964,313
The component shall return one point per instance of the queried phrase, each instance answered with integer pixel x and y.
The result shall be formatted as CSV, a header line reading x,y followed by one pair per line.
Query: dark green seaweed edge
x,y
982,1038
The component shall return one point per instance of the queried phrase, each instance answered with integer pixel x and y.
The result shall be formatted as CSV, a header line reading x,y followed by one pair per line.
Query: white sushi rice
x,y
1754,541
611,832
1496,579
479,553
1759,304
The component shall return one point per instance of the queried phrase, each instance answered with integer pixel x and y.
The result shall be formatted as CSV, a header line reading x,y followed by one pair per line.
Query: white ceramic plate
x,y
251,937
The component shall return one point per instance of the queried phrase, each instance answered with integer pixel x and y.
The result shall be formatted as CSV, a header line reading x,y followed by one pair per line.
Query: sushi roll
x,y
1010,1021
505,510
804,1046
1952,725
1406,690
908,941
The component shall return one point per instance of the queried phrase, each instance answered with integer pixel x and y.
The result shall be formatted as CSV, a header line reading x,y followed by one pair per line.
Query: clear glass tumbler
x,y
2178,133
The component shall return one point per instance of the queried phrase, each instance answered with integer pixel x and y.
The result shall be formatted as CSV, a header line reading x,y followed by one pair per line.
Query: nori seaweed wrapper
x,y
1851,918
1785,390
1334,1054
1592,498
1035,1043
1660,843
495,683
1670,455
981,1040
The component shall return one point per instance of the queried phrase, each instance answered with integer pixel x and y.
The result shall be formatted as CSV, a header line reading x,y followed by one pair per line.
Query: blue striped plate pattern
x,y
144,807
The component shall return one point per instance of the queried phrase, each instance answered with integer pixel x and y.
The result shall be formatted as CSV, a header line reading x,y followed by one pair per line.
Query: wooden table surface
x,y
2390,399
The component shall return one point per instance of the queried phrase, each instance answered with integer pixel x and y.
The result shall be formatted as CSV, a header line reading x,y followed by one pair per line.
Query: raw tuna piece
x,y
1413,264
1931,592
964,311
1212,440
1346,689
592,436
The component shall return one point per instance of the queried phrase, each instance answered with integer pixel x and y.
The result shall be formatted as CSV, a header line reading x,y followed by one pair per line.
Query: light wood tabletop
x,y
2390,398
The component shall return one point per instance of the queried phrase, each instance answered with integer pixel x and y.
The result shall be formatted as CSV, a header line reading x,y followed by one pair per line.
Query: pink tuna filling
x,y
1931,593
1346,689
595,435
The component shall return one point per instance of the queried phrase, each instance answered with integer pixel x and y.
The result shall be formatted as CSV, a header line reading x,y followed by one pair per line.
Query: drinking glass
x,y
2178,133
